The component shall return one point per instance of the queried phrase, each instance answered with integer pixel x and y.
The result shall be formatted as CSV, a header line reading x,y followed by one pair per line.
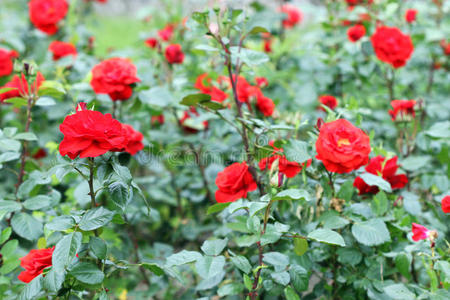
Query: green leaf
x,y
154,268
45,101
380,204
123,172
182,258
7,89
54,279
98,247
291,294
17,102
327,236
300,246
399,291
414,163
9,145
248,282
26,226
218,207
230,289
37,202
241,263
276,259
349,256
65,251
282,278
296,151
87,273
9,248
95,218
334,222
214,247
32,289
371,233
9,206
120,193
292,194
439,130
194,99
299,278
375,180
210,266
6,233
257,29
52,89
250,57
402,263
27,136
346,190
9,156
61,223
159,96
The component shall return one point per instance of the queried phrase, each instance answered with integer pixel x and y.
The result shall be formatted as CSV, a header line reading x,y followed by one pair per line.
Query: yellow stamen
x,y
343,142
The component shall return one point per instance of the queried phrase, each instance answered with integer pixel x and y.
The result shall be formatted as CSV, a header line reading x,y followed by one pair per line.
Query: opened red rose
x,y
445,204
114,77
46,14
342,147
89,133
166,33
386,169
34,263
265,105
288,168
294,15
392,46
234,182
355,33
410,15
420,232
204,84
402,109
6,61
134,137
174,54
328,100
20,87
62,49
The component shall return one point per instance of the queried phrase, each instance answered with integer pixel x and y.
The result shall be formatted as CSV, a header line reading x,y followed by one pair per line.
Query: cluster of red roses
x,y
89,133
173,52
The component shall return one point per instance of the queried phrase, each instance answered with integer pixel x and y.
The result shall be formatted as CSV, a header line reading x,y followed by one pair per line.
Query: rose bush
x,y
275,150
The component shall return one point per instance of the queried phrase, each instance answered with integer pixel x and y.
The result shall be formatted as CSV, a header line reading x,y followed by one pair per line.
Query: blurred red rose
x,y
288,168
294,15
89,133
234,182
245,91
342,147
356,32
157,119
386,169
392,46
445,204
445,47
420,232
34,263
265,105
134,138
40,153
151,42
403,107
114,77
21,88
261,82
189,125
203,83
329,101
410,15
61,49
174,54
46,14
166,33
6,61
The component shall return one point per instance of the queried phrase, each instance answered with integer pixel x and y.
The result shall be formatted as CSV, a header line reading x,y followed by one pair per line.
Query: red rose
x,y
329,101
288,168
445,47
61,49
245,91
419,232
356,32
445,204
46,14
21,88
203,83
294,15
114,77
392,46
234,182
261,82
188,124
386,169
403,107
342,147
157,119
6,61
134,138
166,33
268,46
89,133
410,15
34,263
151,42
174,54
358,2
265,105
40,153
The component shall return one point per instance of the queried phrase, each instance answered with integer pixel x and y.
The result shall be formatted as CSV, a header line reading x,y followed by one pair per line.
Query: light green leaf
x,y
327,236
26,226
375,180
95,218
371,233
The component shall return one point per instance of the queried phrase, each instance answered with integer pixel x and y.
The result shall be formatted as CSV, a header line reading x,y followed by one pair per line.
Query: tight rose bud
x,y
410,15
174,54
355,33
329,101
151,42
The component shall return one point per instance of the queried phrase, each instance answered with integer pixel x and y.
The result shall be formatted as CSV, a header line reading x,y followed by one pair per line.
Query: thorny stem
x,y
91,185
